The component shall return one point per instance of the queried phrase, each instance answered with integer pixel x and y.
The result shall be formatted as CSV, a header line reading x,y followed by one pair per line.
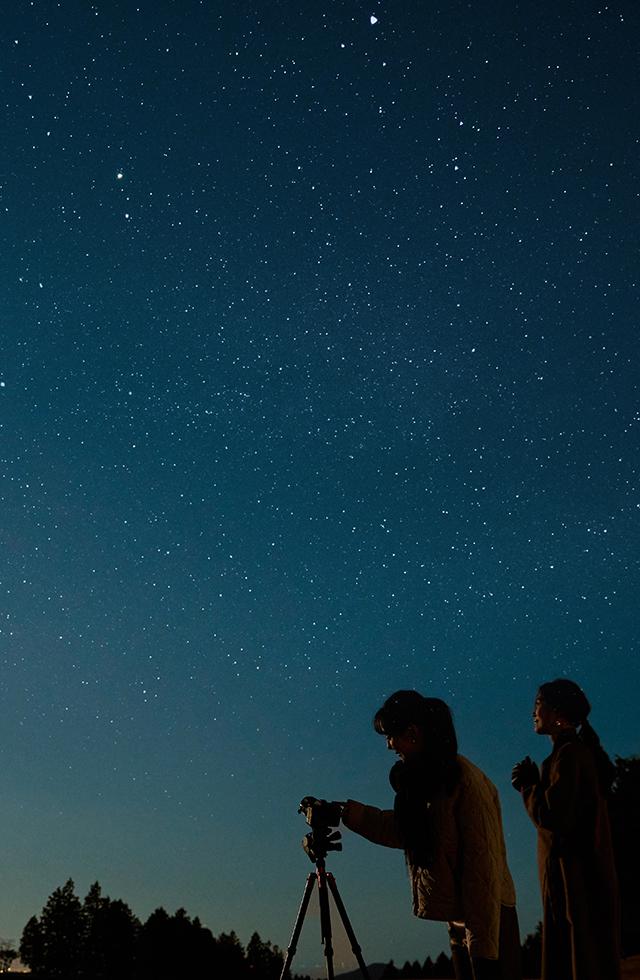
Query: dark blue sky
x,y
319,378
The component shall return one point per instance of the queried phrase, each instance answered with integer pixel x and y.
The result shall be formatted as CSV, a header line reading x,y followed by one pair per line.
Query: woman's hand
x,y
524,774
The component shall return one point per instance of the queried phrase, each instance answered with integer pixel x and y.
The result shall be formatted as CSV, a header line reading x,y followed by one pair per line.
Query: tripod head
x,y
323,818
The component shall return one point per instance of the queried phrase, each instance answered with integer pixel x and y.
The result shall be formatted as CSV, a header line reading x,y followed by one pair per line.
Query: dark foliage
x,y
263,959
101,939
111,933
428,968
440,970
7,955
176,945
443,967
54,945
532,953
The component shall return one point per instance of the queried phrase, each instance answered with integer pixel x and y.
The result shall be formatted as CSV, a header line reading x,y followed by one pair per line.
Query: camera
x,y
322,817
320,814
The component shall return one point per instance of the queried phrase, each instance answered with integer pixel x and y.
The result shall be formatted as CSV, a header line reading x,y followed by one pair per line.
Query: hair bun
x,y
567,698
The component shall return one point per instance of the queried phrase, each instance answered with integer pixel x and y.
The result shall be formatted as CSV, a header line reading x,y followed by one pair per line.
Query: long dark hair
x,y
419,781
570,701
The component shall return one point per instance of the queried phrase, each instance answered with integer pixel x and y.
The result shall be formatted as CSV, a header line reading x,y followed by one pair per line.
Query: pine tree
x,y
63,932
427,969
532,953
230,959
443,967
111,939
263,960
32,945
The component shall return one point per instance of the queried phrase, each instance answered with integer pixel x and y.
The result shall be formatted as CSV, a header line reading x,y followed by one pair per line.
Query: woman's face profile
x,y
406,744
545,718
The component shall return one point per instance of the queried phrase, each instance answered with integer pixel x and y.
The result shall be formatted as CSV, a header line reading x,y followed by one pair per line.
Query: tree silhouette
x,y
390,971
263,959
31,947
7,955
55,944
181,946
201,952
161,944
532,953
111,934
443,967
230,959
154,945
427,969
96,939
101,939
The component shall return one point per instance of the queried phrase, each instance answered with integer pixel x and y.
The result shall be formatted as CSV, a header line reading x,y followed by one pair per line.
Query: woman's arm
x,y
555,807
378,826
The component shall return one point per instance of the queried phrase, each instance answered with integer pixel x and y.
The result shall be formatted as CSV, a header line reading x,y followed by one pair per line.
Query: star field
x,y
318,379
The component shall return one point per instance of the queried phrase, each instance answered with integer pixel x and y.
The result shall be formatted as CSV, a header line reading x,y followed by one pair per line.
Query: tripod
x,y
317,849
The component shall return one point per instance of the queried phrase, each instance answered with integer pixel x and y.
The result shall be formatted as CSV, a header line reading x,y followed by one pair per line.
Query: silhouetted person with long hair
x,y
567,801
447,819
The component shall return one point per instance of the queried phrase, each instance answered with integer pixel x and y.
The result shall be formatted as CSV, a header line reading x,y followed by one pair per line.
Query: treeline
x,y
439,969
442,967
101,939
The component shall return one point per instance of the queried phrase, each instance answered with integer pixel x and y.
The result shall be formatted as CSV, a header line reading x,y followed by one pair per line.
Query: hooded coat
x,y
576,866
468,880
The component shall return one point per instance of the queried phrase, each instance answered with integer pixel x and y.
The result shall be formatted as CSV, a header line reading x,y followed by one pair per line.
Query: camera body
x,y
323,818
320,814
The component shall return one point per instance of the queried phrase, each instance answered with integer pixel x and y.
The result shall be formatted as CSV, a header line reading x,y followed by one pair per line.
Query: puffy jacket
x,y
469,879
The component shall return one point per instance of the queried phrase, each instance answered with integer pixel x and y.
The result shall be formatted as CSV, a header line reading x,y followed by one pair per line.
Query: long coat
x,y
576,866
469,880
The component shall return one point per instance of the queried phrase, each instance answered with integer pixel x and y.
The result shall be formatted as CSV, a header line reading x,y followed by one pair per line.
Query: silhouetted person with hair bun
x,y
447,820
567,801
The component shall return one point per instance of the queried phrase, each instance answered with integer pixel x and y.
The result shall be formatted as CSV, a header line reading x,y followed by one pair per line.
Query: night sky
x,y
318,379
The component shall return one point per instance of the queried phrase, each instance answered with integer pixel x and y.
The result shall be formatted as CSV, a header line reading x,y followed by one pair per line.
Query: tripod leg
x,y
325,919
295,935
347,926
